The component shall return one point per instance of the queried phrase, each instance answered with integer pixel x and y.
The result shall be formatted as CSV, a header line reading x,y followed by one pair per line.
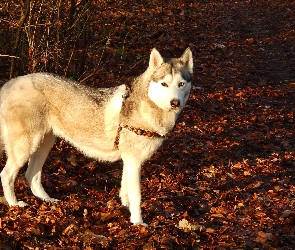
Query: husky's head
x,y
170,82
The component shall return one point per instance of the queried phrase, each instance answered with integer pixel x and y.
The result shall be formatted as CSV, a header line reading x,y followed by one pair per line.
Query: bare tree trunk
x,y
25,13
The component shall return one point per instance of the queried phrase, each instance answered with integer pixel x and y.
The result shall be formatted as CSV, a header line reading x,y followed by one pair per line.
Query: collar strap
x,y
138,131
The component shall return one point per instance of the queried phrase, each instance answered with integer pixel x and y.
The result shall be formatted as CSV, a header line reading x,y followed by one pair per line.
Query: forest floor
x,y
225,177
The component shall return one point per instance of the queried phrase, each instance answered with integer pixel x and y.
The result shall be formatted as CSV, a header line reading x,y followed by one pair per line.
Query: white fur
x,y
162,96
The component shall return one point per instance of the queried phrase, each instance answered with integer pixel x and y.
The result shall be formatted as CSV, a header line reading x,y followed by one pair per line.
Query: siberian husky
x,y
127,122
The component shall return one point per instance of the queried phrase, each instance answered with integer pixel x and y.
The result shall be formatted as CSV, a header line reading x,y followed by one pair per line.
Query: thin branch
x,y
9,56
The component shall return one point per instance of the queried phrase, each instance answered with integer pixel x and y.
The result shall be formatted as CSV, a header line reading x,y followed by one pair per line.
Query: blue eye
x,y
164,84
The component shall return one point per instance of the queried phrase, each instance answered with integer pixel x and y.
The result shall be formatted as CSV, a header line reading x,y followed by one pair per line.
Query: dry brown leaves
x,y
225,177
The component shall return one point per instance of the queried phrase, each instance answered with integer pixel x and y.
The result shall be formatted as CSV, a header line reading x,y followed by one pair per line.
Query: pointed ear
x,y
187,58
155,59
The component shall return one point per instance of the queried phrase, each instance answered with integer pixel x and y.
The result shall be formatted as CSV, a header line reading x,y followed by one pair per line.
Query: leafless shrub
x,y
54,36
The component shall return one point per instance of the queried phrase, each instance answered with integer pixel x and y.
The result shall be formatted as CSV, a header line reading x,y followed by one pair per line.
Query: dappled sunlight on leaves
x,y
224,178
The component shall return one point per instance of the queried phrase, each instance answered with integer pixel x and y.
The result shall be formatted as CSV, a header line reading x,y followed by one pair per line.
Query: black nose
x,y
175,103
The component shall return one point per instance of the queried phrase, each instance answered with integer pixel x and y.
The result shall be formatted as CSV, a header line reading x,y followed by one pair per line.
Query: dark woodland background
x,y
224,179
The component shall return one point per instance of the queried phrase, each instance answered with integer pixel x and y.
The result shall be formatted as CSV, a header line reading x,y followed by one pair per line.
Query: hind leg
x,y
14,163
36,161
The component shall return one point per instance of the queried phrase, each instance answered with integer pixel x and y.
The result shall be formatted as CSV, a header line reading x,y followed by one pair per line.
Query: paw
x,y
137,221
21,204
51,200
141,224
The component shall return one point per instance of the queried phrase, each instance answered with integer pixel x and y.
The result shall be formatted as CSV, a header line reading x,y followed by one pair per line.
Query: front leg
x,y
130,193
124,189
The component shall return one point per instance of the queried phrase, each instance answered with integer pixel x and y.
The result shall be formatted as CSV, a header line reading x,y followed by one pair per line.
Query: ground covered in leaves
x,y
224,179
